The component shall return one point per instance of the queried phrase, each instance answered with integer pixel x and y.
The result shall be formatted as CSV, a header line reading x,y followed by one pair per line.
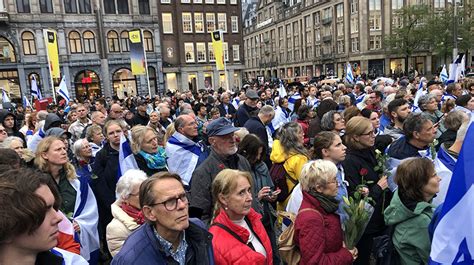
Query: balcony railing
x,y
327,20
4,18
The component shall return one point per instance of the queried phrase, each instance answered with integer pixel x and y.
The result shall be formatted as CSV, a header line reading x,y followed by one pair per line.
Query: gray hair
x,y
327,121
454,119
77,147
224,94
267,110
126,183
425,99
317,173
288,137
8,141
414,123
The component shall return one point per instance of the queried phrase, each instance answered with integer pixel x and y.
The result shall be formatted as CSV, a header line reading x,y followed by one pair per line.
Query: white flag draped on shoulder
x,y
62,90
126,159
419,92
453,238
5,97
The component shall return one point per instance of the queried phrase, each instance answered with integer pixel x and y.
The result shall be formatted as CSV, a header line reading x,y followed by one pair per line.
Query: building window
x,y
355,44
144,7
235,24
339,10
122,6
185,1
317,35
375,22
167,20
374,5
354,6
210,49
109,6
398,4
340,29
89,42
148,41
84,6
317,18
197,1
317,50
375,42
23,6
210,22
189,52
225,48
165,1
354,25
439,4
201,52
124,41
221,2
46,6
209,1
75,45
70,6
222,21
236,52
199,22
113,41
187,23
28,42
340,46
233,2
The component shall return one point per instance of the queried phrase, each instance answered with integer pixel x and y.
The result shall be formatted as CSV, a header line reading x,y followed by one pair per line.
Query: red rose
x,y
221,166
363,171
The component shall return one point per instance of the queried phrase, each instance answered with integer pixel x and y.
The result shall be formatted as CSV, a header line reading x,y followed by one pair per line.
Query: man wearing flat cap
x,y
248,109
223,155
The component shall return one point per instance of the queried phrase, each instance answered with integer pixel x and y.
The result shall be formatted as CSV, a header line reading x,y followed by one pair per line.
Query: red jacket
x,y
319,244
229,250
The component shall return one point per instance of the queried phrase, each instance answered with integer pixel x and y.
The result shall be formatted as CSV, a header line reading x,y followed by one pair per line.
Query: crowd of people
x,y
213,168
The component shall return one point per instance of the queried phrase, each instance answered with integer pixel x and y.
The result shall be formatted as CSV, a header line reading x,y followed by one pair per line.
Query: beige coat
x,y
119,229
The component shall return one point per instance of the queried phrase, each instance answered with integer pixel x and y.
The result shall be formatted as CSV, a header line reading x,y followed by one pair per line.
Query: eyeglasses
x,y
172,204
371,133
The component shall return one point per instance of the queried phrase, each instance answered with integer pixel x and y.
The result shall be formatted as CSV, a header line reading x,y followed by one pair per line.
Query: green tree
x,y
412,32
441,30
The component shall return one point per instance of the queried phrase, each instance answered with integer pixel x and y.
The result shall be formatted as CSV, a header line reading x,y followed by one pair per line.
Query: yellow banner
x,y
51,40
218,50
137,53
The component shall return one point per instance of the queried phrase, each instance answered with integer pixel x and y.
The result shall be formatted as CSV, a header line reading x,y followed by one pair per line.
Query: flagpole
x,y
225,63
146,63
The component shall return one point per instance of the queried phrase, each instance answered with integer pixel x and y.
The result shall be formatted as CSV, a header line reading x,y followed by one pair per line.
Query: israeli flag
x,y
349,75
26,102
461,69
453,238
35,91
292,100
281,90
453,69
5,97
444,75
419,92
63,90
126,159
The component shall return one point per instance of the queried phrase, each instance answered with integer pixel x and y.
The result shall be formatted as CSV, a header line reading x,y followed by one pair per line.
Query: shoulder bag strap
x,y
232,233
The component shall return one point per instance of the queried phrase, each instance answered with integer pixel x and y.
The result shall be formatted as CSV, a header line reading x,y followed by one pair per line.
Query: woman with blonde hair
x,y
238,233
78,201
359,171
150,157
318,232
288,150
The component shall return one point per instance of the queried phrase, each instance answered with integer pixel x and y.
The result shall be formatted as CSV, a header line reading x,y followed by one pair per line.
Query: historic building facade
x,y
188,57
308,38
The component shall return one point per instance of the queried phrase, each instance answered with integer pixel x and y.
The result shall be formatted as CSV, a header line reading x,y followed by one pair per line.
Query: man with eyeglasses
x,y
169,236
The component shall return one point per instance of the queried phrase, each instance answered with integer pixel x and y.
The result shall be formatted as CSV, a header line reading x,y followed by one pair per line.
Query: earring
x,y
226,208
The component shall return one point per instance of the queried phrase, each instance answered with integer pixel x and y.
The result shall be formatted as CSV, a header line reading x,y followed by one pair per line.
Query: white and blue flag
x,y
35,91
349,74
282,90
26,102
5,97
419,93
461,69
453,238
62,90
443,76
453,69
126,159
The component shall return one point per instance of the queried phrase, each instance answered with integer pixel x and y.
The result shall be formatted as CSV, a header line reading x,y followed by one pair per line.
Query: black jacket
x,y
15,132
140,120
104,182
230,110
243,114
358,165
141,163
401,149
255,126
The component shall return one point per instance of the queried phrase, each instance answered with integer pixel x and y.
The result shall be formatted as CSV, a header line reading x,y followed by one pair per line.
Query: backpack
x,y
289,252
384,250
279,176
